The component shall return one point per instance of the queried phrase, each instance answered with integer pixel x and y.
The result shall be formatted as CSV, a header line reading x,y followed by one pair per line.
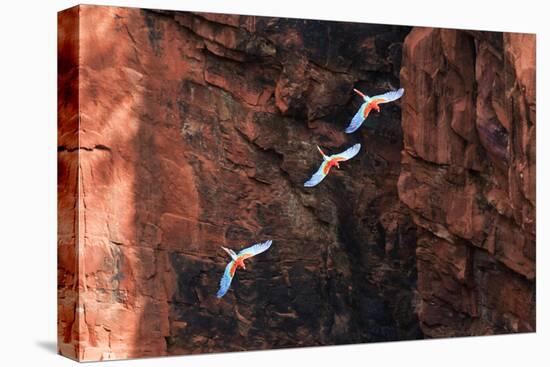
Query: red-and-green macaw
x,y
371,103
331,161
237,261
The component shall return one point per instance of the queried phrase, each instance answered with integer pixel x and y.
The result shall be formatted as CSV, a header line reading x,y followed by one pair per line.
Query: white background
x,y
28,183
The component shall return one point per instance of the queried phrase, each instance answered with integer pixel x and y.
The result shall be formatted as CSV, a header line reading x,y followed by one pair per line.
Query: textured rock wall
x,y
468,177
67,192
198,130
181,132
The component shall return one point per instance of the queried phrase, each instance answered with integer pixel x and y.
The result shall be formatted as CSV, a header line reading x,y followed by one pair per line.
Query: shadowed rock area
x,y
198,130
468,176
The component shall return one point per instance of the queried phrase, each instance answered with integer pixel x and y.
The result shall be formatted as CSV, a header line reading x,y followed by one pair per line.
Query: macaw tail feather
x,y
321,151
359,92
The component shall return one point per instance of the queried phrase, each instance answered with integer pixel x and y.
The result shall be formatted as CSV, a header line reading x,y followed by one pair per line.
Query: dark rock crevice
x,y
480,218
208,124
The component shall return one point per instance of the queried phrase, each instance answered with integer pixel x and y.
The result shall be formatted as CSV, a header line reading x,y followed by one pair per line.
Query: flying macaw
x,y
237,260
371,103
329,162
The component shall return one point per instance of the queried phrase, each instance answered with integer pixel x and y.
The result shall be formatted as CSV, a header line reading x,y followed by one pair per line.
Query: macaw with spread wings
x,y
237,260
331,161
371,103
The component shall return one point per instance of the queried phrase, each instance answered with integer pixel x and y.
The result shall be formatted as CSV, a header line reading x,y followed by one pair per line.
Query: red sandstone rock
x,y
467,175
198,130
184,147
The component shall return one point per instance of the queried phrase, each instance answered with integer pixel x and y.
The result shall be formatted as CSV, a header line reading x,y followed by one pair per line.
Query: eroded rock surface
x,y
468,176
198,130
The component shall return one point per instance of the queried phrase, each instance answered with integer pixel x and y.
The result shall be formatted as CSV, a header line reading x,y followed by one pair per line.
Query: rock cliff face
x,y
468,177
180,132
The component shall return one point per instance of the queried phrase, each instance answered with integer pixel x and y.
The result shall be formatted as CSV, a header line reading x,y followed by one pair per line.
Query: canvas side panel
x,y
67,181
468,176
115,265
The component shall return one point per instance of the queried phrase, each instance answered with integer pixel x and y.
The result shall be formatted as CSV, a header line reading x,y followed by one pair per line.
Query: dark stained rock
x,y
468,177
181,132
199,130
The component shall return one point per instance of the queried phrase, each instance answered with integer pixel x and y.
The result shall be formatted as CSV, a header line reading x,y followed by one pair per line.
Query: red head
x,y
334,163
240,263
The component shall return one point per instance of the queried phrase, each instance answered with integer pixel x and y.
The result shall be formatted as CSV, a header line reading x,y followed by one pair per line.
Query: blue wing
x,y
317,176
255,249
357,120
389,96
227,277
348,153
